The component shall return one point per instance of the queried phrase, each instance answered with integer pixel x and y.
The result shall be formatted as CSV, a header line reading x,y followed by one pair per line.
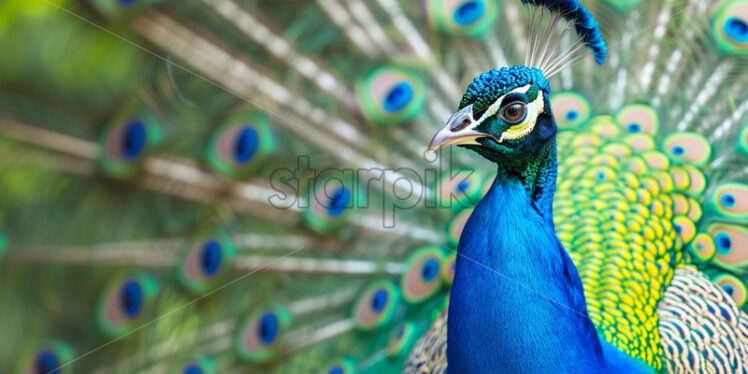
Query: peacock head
x,y
505,116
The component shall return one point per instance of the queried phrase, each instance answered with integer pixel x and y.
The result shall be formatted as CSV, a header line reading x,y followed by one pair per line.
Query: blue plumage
x,y
485,88
585,24
497,318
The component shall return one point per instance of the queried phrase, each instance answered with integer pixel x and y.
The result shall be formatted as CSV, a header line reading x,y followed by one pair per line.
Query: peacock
x,y
232,186
505,117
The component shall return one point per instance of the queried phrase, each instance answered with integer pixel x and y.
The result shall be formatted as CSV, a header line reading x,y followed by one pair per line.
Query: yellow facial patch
x,y
525,128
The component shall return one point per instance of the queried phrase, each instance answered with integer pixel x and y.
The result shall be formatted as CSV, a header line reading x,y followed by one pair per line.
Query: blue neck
x,y
517,301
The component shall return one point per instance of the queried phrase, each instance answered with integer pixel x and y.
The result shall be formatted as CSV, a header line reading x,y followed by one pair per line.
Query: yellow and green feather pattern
x,y
635,208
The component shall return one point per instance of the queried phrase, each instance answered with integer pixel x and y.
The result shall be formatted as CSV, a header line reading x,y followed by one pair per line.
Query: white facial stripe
x,y
493,108
461,127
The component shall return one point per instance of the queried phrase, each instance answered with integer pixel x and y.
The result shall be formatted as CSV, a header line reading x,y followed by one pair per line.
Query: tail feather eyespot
x,y
638,119
125,303
205,261
389,95
376,304
46,356
731,242
731,200
198,365
401,339
570,109
730,27
459,189
260,336
239,146
688,147
126,142
462,17
733,286
421,278
332,202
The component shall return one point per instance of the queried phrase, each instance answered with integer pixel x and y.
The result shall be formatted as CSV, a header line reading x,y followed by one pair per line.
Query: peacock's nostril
x,y
461,125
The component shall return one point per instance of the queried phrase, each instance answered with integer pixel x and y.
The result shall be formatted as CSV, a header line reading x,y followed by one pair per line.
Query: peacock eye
x,y
514,112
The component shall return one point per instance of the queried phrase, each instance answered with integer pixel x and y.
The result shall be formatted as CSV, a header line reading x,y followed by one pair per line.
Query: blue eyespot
x,y
268,328
133,139
240,144
737,29
422,277
205,260
723,243
246,145
124,302
260,335
332,203
131,298
376,304
728,288
389,94
338,201
379,300
572,115
398,97
634,128
678,150
341,366
127,2
728,200
469,12
192,369
430,269
210,258
126,141
462,186
601,176
47,362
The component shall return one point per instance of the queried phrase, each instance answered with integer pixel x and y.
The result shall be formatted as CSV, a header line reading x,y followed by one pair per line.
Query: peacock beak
x,y
460,129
